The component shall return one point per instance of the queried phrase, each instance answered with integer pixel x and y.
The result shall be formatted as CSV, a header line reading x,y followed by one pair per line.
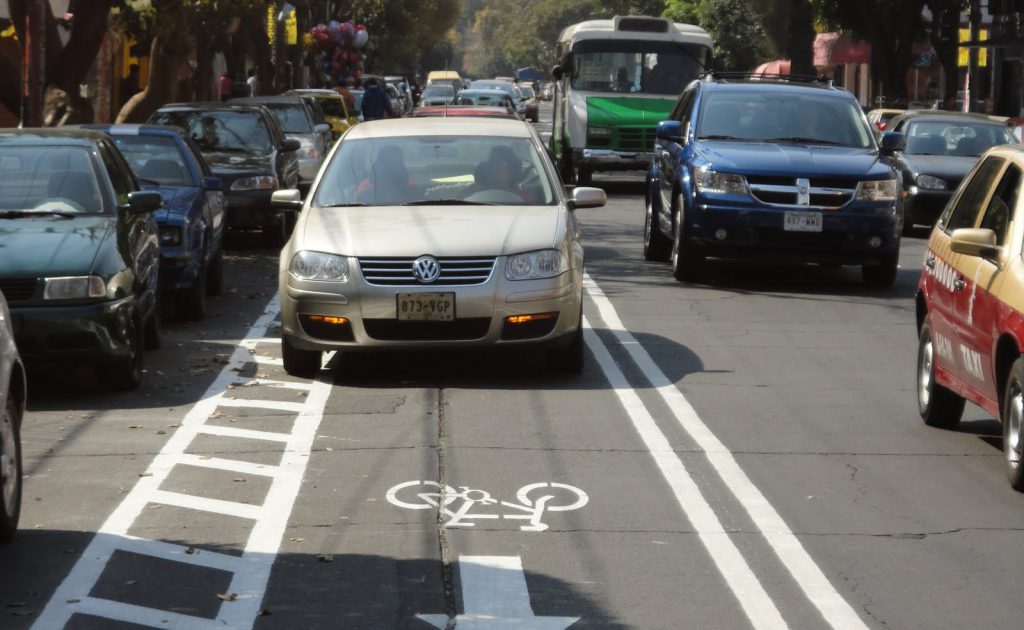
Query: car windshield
x,y
221,130
291,117
48,180
763,116
527,92
156,160
440,170
955,137
631,66
439,89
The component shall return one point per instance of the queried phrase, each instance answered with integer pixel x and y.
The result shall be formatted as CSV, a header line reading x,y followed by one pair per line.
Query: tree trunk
x,y
166,53
801,39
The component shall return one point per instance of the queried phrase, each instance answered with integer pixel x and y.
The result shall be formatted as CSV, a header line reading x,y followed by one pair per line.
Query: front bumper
x,y
861,236
179,267
73,334
611,160
480,311
923,206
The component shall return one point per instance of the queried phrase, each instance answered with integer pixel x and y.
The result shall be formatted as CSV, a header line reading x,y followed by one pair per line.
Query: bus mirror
x,y
557,73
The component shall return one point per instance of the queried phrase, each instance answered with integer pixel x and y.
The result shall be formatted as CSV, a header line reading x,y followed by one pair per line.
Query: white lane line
x,y
276,405
267,382
204,504
836,611
179,553
140,615
265,360
230,465
752,597
246,434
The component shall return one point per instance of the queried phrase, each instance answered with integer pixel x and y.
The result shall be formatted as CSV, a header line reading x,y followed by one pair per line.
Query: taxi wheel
x,y
297,362
687,259
657,246
10,469
1013,420
938,406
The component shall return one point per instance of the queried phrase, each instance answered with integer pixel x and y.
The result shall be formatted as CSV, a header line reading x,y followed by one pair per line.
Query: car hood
x,y
52,246
794,160
177,200
603,111
949,167
238,163
436,230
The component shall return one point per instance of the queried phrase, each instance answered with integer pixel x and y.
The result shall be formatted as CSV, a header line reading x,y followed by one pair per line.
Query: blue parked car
x,y
191,222
783,169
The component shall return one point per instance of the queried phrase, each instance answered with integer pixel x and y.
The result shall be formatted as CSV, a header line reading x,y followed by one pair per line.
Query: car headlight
x,y
715,183
74,288
170,235
259,182
599,131
544,263
878,190
307,265
930,182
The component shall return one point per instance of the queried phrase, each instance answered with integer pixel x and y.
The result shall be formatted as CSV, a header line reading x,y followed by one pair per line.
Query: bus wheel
x,y
565,169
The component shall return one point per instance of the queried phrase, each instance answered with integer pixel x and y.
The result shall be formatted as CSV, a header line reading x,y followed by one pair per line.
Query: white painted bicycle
x,y
457,506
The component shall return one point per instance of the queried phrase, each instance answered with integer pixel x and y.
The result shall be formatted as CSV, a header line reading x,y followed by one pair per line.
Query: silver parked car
x,y
12,409
434,232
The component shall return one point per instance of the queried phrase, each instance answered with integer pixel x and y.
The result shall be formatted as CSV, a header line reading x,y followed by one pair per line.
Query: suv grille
x,y
784,191
454,271
18,289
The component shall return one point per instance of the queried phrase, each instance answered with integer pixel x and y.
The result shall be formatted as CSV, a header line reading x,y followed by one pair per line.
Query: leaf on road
x,y
73,601
296,539
134,426
325,557
227,597
217,414
191,551
264,612
239,479
146,474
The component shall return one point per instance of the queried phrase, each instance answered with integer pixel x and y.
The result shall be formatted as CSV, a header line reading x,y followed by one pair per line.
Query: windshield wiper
x,y
446,202
802,140
343,205
721,137
21,214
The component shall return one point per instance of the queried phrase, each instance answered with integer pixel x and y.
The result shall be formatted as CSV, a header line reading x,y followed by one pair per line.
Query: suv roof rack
x,y
720,76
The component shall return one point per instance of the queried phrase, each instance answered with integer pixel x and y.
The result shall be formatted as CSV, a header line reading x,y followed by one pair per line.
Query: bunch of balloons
x,y
338,45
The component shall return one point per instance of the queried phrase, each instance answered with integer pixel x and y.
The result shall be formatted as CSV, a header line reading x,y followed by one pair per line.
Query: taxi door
x,y
976,306
944,282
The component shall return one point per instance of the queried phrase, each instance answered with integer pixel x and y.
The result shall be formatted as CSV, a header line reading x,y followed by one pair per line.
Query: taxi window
x,y
997,214
965,212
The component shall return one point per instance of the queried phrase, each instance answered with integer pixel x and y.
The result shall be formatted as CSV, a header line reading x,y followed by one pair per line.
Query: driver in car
x,y
503,170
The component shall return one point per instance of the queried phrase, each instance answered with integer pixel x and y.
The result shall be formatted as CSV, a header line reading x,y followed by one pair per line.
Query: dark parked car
x,y
13,391
772,169
80,260
941,148
191,222
246,149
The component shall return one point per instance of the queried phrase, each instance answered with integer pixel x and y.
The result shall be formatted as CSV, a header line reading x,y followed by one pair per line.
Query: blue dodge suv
x,y
776,168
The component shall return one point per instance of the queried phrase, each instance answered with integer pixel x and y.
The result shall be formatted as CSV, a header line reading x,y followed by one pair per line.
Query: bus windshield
x,y
635,66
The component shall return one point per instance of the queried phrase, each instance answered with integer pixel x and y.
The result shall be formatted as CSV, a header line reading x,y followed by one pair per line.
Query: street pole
x,y
34,65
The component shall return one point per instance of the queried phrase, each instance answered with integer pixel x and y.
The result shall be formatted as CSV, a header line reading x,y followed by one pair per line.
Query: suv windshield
x,y
761,116
442,170
645,67
221,130
954,137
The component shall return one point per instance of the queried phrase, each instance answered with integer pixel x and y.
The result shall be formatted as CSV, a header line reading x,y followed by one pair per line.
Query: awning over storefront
x,y
832,49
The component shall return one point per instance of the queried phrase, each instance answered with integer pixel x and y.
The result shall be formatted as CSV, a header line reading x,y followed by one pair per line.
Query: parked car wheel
x,y
657,246
569,359
938,406
10,468
215,274
687,259
152,328
126,373
192,300
301,363
881,275
1013,425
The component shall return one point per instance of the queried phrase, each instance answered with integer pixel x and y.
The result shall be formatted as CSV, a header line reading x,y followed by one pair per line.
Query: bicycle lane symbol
x,y
458,507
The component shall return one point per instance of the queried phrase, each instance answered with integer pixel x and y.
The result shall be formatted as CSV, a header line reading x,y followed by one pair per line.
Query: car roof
x,y
948,116
290,99
311,92
463,110
770,85
211,105
484,91
138,130
431,125
51,135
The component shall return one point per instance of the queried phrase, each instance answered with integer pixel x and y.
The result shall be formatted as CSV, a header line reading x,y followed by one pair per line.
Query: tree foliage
x,y
401,31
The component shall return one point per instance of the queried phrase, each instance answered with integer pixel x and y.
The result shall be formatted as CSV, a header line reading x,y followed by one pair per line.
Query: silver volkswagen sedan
x,y
434,233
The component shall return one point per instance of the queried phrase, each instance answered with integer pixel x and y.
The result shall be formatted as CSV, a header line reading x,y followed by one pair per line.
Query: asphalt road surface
x,y
741,453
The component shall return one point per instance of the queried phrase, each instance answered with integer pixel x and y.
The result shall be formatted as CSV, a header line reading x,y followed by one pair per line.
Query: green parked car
x,y
79,254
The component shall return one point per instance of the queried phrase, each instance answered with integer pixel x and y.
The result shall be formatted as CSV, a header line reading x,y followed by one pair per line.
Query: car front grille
x,y
454,271
785,191
456,330
18,289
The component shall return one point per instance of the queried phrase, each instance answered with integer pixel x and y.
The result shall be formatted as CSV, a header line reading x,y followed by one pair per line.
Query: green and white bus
x,y
616,79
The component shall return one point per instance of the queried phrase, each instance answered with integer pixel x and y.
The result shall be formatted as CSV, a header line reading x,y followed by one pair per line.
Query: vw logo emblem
x,y
426,269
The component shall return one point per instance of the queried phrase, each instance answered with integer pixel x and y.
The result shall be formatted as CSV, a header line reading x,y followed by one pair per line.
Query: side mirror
x,y
290,144
213,183
143,201
557,72
287,199
322,128
670,131
586,197
893,142
978,242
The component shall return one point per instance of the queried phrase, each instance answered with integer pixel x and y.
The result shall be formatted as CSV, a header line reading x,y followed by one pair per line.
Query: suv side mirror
x,y
143,201
670,131
290,144
978,242
893,142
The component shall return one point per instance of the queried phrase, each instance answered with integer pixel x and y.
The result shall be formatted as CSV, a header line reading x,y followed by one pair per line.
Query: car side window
x,y
965,213
121,181
997,214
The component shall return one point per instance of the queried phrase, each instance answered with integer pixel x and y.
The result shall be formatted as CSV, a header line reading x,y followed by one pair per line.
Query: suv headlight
x,y
715,183
930,182
878,190
259,182
74,288
544,263
319,266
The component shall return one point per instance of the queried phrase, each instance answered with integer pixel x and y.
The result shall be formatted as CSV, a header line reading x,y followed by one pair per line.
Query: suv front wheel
x,y
657,246
687,258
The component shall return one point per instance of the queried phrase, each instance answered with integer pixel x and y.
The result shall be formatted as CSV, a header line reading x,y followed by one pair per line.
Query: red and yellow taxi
x,y
970,301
